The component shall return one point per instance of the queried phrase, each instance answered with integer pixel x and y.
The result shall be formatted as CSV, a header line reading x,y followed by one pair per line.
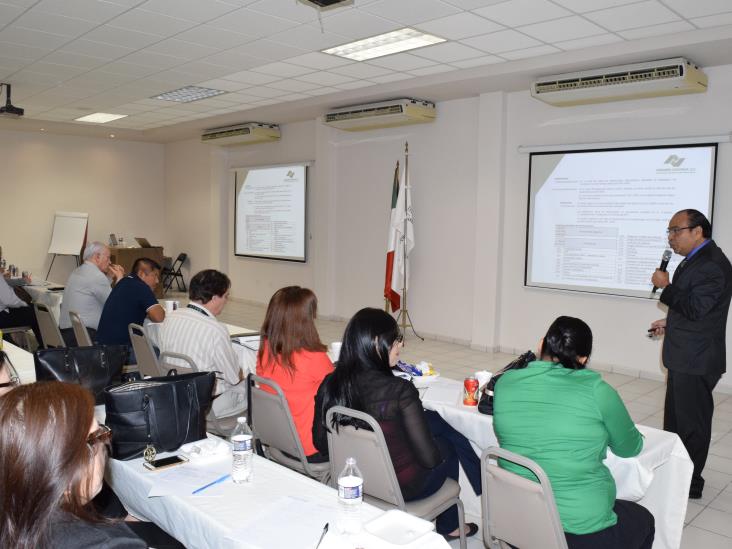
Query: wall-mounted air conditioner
x,y
652,79
241,134
384,114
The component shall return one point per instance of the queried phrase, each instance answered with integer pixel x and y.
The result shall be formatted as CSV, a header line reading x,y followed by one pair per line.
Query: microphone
x,y
665,258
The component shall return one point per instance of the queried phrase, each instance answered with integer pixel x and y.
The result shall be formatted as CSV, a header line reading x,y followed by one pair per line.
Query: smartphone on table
x,y
164,463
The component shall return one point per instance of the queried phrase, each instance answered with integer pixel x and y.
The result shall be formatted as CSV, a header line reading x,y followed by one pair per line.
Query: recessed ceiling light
x,y
188,94
385,44
100,117
43,129
111,135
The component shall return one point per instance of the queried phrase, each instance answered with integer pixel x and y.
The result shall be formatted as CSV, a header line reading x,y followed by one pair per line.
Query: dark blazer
x,y
698,301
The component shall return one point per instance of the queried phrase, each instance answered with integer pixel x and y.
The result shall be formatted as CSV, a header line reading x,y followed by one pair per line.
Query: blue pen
x,y
215,482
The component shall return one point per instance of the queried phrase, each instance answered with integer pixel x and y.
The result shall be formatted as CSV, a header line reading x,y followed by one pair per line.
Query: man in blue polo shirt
x,y
130,301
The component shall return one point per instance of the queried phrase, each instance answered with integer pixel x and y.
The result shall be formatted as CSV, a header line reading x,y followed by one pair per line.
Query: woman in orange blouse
x,y
292,355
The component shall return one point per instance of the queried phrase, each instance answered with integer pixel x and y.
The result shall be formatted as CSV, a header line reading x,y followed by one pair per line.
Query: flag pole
x,y
406,319
395,187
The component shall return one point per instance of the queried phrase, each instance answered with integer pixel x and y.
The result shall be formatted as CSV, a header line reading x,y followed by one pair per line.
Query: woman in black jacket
x,y
424,449
52,457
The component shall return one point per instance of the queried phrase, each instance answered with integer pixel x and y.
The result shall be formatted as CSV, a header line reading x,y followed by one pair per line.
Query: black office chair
x,y
174,274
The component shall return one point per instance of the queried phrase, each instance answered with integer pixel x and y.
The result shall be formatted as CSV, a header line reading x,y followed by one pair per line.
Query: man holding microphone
x,y
698,300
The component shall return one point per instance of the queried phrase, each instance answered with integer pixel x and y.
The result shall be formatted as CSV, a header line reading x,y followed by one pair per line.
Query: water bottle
x,y
242,451
350,496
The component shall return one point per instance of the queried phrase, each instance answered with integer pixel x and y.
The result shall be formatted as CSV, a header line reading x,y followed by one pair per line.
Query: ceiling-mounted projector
x,y
9,110
326,4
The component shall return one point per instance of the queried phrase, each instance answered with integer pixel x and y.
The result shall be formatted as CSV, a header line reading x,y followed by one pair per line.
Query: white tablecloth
x,y
218,518
658,478
22,361
40,294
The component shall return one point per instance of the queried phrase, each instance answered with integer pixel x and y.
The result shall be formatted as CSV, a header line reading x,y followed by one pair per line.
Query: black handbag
x,y
92,367
158,414
485,404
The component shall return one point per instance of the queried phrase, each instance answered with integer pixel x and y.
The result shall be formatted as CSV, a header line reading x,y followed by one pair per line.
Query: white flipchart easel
x,y
69,235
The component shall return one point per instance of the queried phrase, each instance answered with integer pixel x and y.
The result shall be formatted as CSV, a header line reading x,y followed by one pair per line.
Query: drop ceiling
x,y
69,58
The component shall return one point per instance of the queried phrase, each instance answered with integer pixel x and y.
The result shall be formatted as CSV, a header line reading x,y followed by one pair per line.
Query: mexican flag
x,y
391,282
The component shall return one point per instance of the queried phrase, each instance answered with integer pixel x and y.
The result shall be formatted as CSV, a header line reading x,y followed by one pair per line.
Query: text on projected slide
x,y
270,212
597,219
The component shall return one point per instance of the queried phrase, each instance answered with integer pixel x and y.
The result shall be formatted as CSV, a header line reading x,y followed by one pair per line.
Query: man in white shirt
x,y
87,290
195,332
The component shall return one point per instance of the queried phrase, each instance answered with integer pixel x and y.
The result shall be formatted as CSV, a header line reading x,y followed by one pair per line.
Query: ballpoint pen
x,y
213,483
325,531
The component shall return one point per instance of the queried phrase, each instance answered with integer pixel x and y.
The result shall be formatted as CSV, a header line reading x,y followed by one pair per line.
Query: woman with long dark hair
x,y
292,355
52,458
564,417
424,449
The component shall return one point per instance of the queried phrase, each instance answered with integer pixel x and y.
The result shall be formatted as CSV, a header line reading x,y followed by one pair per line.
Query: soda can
x,y
470,391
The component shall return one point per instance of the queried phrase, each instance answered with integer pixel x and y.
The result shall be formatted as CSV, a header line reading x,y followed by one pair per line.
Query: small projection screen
x,y
270,216
597,219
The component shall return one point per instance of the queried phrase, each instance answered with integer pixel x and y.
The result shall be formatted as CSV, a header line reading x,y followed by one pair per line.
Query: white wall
x,y
119,183
469,197
257,279
188,203
443,174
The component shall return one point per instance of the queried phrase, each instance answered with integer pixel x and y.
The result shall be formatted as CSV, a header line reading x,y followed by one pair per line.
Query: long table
x,y
22,361
278,509
40,293
658,478
216,519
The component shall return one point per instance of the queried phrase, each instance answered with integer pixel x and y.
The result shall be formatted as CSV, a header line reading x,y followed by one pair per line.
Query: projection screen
x,y
597,219
270,212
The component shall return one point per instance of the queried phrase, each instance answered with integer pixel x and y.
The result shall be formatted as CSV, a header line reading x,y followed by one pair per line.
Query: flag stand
x,y
406,319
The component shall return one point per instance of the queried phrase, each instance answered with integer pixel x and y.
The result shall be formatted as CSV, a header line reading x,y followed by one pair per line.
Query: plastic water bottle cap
x,y
351,461
241,420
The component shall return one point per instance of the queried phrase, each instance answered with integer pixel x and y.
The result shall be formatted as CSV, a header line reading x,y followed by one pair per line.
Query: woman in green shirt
x,y
564,417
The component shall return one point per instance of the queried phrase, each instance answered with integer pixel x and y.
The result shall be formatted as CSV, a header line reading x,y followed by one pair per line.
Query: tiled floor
x,y
708,520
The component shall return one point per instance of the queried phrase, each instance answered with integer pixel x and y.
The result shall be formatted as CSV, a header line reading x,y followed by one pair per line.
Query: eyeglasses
x,y
103,435
675,230
400,338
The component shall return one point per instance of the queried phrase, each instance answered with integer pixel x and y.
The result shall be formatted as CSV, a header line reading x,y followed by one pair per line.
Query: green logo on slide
x,y
674,160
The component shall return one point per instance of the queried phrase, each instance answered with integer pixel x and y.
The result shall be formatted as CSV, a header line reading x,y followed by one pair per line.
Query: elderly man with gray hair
x,y
87,290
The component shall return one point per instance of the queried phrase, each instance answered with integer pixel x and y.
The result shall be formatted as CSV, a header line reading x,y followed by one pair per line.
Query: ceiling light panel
x,y
385,44
188,94
100,117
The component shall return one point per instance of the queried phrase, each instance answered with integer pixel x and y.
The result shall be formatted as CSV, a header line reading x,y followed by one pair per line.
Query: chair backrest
x,y
271,420
147,360
80,332
508,499
178,263
371,453
165,365
49,328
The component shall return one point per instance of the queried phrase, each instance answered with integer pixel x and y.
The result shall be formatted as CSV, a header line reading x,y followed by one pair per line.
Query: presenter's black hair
x,y
207,284
567,340
698,219
367,341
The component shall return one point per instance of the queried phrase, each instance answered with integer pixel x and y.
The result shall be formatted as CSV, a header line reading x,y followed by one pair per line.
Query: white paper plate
x,y
398,529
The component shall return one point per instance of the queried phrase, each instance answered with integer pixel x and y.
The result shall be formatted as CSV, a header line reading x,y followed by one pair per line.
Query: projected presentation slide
x,y
597,219
270,212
